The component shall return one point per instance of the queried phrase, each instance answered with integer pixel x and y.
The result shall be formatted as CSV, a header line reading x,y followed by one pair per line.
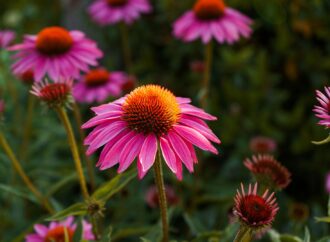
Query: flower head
x,y
212,19
57,231
134,126
261,144
322,110
6,38
268,171
254,211
98,85
153,200
55,52
107,12
54,93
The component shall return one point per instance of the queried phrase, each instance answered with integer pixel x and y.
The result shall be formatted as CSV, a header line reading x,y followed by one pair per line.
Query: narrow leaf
x,y
73,210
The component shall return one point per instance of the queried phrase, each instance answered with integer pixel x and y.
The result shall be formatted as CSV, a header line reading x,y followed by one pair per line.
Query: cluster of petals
x,y
98,85
122,143
227,27
254,211
322,110
56,231
6,38
107,12
55,52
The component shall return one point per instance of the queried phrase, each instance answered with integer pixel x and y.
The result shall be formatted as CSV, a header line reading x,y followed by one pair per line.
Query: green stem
x,y
207,75
322,142
17,166
159,180
74,149
126,47
90,170
95,225
244,235
27,128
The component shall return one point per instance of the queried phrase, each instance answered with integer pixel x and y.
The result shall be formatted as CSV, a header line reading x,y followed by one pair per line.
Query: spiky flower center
x,y
117,3
255,209
151,109
209,9
54,41
97,77
58,234
55,92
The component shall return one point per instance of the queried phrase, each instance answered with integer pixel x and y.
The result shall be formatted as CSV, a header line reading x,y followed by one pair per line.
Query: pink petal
x,y
148,152
168,154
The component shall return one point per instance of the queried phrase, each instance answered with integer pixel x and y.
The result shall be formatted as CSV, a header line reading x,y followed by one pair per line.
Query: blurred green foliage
x,y
260,86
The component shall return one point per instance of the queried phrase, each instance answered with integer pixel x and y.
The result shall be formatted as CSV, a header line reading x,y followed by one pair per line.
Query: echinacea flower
x,y
54,93
253,211
134,126
261,144
97,85
212,19
268,171
107,12
322,110
55,52
152,197
6,38
57,231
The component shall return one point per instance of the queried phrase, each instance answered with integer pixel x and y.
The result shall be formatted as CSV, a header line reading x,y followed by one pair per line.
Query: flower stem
x,y
161,196
74,149
126,47
244,235
207,75
27,128
77,115
17,166
322,142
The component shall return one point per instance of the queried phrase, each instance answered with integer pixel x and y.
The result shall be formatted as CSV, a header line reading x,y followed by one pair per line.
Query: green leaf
x,y
307,235
73,210
110,188
195,226
144,240
325,239
289,238
18,192
274,235
106,237
78,233
323,219
61,183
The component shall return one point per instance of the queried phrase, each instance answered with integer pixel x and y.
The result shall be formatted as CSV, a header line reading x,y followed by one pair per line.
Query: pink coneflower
x,y
134,126
152,197
323,110
55,52
98,85
254,211
54,93
6,38
57,231
268,171
105,12
212,19
261,144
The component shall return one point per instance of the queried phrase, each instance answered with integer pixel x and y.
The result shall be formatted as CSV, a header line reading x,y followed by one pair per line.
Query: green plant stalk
x,y
18,168
126,47
244,234
90,171
207,75
159,180
74,149
27,128
322,142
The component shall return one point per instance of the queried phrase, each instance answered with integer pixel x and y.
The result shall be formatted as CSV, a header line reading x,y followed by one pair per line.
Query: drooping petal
x,y
148,152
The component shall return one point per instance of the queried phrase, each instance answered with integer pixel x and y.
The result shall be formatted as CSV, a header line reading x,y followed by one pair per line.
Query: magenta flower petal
x,y
148,152
195,138
323,110
168,154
